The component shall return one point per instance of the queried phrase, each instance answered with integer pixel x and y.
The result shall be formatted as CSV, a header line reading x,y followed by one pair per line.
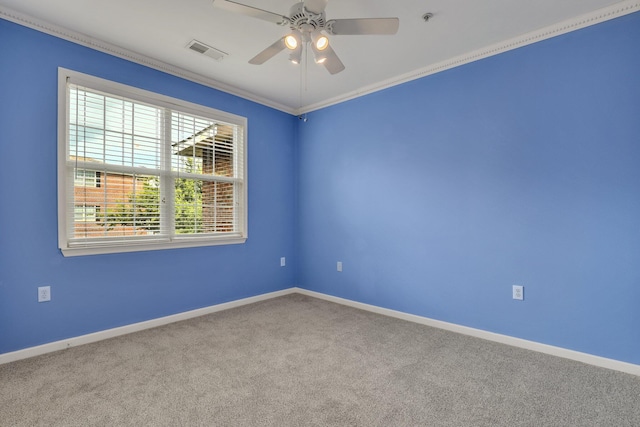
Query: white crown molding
x,y
102,46
601,15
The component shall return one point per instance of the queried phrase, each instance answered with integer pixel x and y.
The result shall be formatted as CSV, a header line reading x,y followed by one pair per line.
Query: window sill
x,y
149,246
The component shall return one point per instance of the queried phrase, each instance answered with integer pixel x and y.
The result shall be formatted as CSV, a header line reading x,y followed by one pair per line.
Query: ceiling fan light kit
x,y
291,41
320,41
318,56
296,56
308,24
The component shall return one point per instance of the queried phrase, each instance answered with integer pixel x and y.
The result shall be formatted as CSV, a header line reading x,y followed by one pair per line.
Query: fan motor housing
x,y
305,21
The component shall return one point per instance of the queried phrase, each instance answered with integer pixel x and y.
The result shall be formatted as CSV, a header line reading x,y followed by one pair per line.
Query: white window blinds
x,y
141,171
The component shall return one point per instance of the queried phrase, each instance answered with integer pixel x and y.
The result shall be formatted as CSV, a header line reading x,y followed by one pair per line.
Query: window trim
x,y
65,186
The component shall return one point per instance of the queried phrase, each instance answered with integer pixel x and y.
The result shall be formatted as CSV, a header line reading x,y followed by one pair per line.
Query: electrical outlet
x,y
518,292
339,266
283,261
44,293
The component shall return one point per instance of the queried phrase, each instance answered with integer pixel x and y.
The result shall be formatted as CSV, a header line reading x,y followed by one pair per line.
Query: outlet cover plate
x,y
44,293
518,292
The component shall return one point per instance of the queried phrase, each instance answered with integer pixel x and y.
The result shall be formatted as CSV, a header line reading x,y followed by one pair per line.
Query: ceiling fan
x,y
309,27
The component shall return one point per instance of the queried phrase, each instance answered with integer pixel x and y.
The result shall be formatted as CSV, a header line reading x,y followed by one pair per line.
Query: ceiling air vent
x,y
209,51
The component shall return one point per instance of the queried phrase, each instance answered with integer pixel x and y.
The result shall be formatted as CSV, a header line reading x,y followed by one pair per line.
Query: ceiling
x,y
161,30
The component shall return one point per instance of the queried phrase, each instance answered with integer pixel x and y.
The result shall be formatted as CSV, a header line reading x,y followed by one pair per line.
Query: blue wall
x,y
437,195
94,293
440,194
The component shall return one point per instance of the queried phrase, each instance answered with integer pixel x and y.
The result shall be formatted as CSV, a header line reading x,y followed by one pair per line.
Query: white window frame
x,y
66,178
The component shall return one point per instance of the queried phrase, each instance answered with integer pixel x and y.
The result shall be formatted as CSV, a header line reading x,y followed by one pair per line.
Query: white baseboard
x,y
135,327
590,359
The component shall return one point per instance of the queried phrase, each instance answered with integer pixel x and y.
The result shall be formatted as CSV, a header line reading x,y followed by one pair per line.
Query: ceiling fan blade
x,y
332,63
243,9
363,26
268,53
315,6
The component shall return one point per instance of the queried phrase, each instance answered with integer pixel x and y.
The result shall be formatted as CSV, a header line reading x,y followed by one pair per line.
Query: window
x,y
140,171
86,178
84,213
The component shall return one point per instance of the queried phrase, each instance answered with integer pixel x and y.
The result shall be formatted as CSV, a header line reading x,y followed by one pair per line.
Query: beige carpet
x,y
300,361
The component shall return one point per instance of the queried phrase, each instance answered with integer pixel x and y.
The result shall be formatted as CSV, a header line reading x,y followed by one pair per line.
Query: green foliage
x,y
141,210
188,204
